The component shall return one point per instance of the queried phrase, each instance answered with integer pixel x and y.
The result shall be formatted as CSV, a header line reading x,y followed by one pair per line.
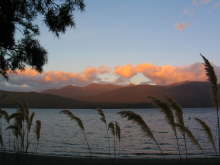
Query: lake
x,y
62,137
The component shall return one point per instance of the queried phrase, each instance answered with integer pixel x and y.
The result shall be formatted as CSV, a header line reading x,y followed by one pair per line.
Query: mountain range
x,y
187,94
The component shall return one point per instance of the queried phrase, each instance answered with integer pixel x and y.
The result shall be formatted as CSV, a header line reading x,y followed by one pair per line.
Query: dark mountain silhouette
x,y
37,100
76,92
188,94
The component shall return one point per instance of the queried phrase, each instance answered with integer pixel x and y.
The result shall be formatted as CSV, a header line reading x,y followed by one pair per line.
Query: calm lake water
x,y
62,137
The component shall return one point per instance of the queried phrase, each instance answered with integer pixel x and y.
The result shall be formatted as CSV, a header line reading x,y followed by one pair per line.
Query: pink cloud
x,y
30,80
182,26
200,2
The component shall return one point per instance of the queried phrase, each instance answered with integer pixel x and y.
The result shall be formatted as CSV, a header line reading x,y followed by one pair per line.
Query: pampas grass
x,y
116,132
178,112
103,119
208,132
111,127
140,122
189,134
80,124
38,132
210,72
165,109
102,115
21,127
5,115
1,133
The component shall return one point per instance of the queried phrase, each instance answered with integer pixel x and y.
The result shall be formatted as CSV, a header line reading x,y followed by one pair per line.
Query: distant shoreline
x,y
28,159
95,107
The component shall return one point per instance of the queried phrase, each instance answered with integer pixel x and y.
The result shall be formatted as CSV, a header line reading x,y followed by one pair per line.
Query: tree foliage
x,y
19,46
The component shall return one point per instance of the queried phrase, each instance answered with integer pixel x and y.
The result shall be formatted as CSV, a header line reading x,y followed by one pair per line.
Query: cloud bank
x,y
30,80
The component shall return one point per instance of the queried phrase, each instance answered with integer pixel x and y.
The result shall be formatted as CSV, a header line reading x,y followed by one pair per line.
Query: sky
x,y
128,41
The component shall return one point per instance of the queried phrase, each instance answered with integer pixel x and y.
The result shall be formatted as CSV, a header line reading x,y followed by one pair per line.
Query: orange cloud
x,y
32,80
166,74
182,26
126,71
162,75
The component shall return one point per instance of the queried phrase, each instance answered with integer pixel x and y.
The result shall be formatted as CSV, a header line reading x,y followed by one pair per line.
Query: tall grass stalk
x,y
208,132
22,121
165,109
4,115
38,133
80,124
103,119
136,118
1,136
178,112
111,127
189,134
210,72
116,132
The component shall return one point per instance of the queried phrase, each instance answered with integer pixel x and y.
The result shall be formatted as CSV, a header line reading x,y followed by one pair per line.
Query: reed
x,y
208,132
21,128
103,119
111,127
80,124
1,136
116,132
38,132
165,109
178,112
3,115
140,122
189,134
210,72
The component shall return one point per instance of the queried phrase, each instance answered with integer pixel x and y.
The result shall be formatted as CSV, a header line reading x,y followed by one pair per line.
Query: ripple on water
x,y
61,136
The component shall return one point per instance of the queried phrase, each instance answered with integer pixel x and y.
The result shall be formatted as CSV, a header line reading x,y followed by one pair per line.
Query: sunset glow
x,y
154,74
110,44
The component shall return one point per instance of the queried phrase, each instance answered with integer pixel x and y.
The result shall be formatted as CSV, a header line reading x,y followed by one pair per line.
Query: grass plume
x,y
178,112
116,132
38,132
210,72
80,124
140,122
102,115
38,129
103,119
165,109
1,140
111,127
21,127
189,134
208,132
75,118
4,114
